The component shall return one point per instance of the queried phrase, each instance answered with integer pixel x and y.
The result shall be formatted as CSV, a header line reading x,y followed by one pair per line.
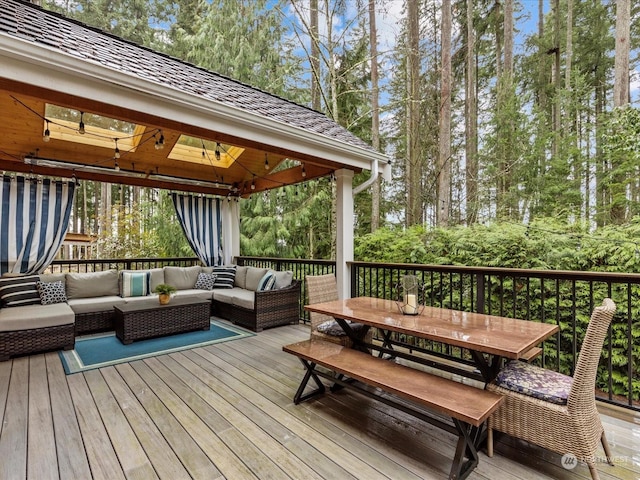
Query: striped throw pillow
x,y
225,276
17,291
135,284
267,282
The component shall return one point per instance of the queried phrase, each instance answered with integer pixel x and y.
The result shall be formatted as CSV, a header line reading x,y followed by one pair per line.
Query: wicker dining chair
x,y
323,288
562,416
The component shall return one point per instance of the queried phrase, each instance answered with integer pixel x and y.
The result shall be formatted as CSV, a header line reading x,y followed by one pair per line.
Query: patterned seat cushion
x,y
333,328
535,382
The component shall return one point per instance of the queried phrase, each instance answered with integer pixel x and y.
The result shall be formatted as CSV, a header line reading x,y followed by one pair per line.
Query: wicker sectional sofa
x,y
252,297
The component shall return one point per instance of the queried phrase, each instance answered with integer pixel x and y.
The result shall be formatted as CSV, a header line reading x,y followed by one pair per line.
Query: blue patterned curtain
x,y
202,224
34,219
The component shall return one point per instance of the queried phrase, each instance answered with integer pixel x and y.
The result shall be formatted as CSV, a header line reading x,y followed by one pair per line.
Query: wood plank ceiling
x,y
22,115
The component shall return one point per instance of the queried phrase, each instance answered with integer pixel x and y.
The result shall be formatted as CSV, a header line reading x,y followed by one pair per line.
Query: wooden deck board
x,y
103,460
72,459
181,444
164,460
42,461
221,455
13,438
226,411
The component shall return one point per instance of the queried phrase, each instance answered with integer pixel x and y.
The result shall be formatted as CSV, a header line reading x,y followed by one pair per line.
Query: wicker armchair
x,y
573,427
323,288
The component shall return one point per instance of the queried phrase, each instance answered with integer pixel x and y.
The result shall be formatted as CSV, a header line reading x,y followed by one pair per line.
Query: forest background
x,y
510,154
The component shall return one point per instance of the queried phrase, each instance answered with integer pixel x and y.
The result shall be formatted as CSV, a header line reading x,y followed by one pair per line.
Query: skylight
x,y
64,123
204,152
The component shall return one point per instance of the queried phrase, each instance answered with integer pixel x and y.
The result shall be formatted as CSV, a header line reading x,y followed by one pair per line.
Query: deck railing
x,y
563,298
77,266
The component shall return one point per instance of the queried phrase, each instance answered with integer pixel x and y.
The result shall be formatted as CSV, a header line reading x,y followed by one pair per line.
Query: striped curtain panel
x,y
34,219
202,224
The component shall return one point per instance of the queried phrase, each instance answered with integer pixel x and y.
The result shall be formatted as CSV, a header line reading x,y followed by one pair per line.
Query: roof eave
x,y
38,65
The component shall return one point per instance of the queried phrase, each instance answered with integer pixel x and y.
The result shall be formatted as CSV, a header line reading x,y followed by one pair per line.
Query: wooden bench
x,y
467,406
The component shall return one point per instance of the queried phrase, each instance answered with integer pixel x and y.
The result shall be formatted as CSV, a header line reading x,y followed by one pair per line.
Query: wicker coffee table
x,y
147,319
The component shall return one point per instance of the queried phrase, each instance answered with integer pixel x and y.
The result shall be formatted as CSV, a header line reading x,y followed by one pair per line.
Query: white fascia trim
x,y
42,66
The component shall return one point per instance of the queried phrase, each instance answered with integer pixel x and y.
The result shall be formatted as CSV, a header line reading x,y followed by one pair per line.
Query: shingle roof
x,y
34,24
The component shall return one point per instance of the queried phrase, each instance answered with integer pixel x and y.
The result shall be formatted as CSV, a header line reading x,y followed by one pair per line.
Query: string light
x,y
116,167
81,124
203,150
304,172
253,183
47,134
217,152
159,142
266,161
117,152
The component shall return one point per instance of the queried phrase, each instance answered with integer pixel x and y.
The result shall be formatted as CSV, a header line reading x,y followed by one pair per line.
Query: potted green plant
x,y
164,292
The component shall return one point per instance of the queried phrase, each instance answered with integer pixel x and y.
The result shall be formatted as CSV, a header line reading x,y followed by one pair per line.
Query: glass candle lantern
x,y
410,297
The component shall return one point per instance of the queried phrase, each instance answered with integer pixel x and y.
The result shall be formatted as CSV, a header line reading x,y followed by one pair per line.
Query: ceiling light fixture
x,y
266,161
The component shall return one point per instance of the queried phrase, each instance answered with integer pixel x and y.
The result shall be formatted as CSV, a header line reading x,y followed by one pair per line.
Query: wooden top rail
x,y
457,400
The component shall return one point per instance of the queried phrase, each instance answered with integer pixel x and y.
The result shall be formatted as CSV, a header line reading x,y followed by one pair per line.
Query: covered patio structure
x,y
78,103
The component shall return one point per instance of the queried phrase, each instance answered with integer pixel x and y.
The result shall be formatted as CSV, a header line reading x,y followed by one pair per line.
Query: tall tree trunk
x,y
315,55
498,36
471,120
620,98
444,122
331,60
556,77
375,112
508,37
602,192
623,25
568,63
413,172
505,85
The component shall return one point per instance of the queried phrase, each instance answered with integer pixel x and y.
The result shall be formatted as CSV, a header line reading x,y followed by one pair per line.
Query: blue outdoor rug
x,y
105,349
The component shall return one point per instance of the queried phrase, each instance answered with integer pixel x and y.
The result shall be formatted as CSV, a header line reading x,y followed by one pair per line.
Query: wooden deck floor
x,y
226,411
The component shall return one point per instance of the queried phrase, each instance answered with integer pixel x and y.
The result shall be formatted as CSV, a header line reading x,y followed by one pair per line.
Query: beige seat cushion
x,y
225,295
94,284
254,275
244,299
183,278
195,293
241,277
283,279
236,296
53,277
29,317
96,304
